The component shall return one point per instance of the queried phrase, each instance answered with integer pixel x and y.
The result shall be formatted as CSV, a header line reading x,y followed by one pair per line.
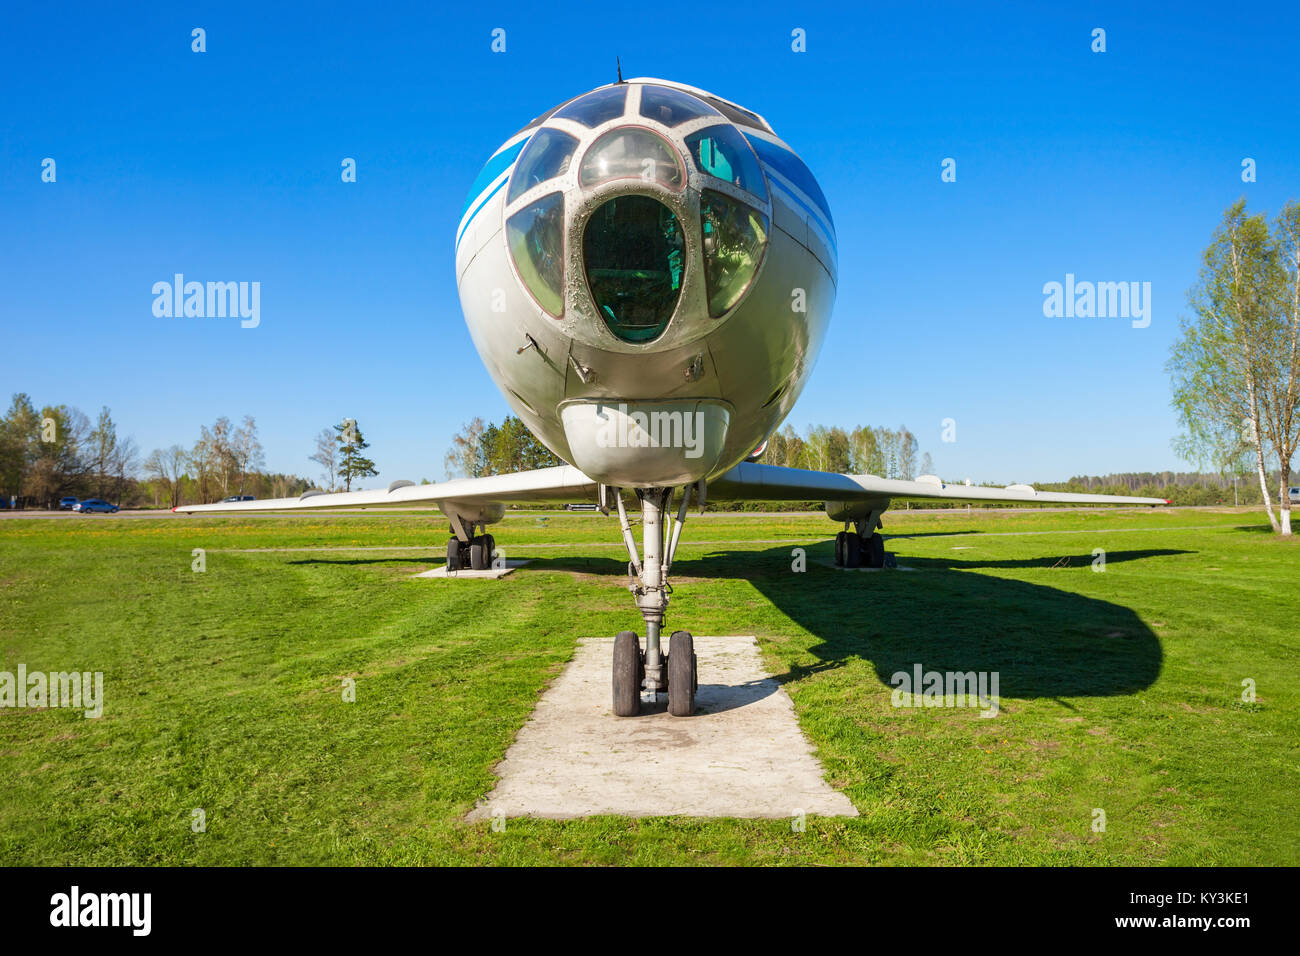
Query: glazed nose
x,y
634,253
632,152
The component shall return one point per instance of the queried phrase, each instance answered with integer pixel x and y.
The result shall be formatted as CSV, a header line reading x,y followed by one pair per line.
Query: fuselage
x,y
647,272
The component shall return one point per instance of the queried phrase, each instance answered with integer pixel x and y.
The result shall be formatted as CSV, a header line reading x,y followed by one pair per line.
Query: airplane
x,y
647,272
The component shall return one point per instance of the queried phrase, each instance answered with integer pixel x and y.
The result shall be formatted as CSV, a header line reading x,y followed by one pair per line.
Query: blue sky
x,y
225,165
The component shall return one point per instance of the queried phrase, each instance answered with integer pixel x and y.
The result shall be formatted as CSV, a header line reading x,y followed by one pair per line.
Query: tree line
x,y
57,452
864,450
480,449
1180,488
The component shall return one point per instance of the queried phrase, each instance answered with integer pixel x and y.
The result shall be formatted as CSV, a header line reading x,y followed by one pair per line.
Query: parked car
x,y
94,504
1294,495
579,506
238,498
65,504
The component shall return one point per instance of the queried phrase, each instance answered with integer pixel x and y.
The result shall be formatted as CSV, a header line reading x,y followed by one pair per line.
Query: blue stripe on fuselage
x,y
494,167
792,168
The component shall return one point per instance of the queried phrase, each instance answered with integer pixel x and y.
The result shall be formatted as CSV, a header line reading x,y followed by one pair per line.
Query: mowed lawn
x,y
1121,691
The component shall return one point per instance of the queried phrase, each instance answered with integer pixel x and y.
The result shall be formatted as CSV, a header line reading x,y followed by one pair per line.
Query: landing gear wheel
x,y
852,550
627,674
874,551
453,554
839,548
681,674
478,559
491,543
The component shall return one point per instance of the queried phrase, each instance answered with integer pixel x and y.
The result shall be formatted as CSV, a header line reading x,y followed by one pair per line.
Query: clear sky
x,y
225,165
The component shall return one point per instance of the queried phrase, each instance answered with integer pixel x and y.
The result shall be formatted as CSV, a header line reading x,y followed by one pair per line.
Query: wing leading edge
x,y
754,482
462,495
745,482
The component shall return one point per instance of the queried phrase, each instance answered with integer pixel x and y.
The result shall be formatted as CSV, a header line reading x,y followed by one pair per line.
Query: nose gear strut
x,y
649,670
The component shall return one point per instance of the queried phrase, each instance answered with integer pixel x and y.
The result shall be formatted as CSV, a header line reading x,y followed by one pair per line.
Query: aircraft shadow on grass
x,y
1044,642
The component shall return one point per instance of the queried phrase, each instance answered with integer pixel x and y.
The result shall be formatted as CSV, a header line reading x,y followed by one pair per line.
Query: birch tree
x,y
1234,368
327,455
1280,389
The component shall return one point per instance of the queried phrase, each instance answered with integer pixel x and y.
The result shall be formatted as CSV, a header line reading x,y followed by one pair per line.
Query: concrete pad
x,y
490,573
741,755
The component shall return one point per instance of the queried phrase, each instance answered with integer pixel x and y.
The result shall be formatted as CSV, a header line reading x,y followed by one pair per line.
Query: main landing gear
x,y
649,670
861,548
474,554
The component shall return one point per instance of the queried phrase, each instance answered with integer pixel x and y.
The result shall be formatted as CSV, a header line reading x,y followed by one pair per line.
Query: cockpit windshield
x,y
595,108
547,156
672,107
722,152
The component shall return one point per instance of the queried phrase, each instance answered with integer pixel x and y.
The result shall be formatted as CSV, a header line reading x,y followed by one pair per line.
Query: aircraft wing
x,y
754,482
746,482
557,485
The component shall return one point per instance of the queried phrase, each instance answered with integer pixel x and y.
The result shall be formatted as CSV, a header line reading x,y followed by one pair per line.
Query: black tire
x,y
491,548
839,549
627,674
852,550
478,559
681,674
874,551
453,554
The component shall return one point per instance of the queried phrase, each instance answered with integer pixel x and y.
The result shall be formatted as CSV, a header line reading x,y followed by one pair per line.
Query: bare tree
x,y
463,456
103,449
245,450
327,455
167,467
200,459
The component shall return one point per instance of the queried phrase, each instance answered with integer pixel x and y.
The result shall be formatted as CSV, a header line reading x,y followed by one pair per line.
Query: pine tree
x,y
352,464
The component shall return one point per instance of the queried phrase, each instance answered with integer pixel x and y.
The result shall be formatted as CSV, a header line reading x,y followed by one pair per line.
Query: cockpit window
x,y
672,107
740,117
734,237
535,235
595,108
634,254
722,152
629,152
547,155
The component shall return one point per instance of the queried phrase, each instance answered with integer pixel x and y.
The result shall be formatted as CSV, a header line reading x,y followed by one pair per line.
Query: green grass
x,y
1120,691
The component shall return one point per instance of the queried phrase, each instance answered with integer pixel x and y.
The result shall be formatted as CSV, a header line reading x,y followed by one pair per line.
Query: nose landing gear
x,y
650,670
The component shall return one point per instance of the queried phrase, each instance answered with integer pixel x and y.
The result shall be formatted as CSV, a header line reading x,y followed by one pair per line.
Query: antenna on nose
x,y
620,69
